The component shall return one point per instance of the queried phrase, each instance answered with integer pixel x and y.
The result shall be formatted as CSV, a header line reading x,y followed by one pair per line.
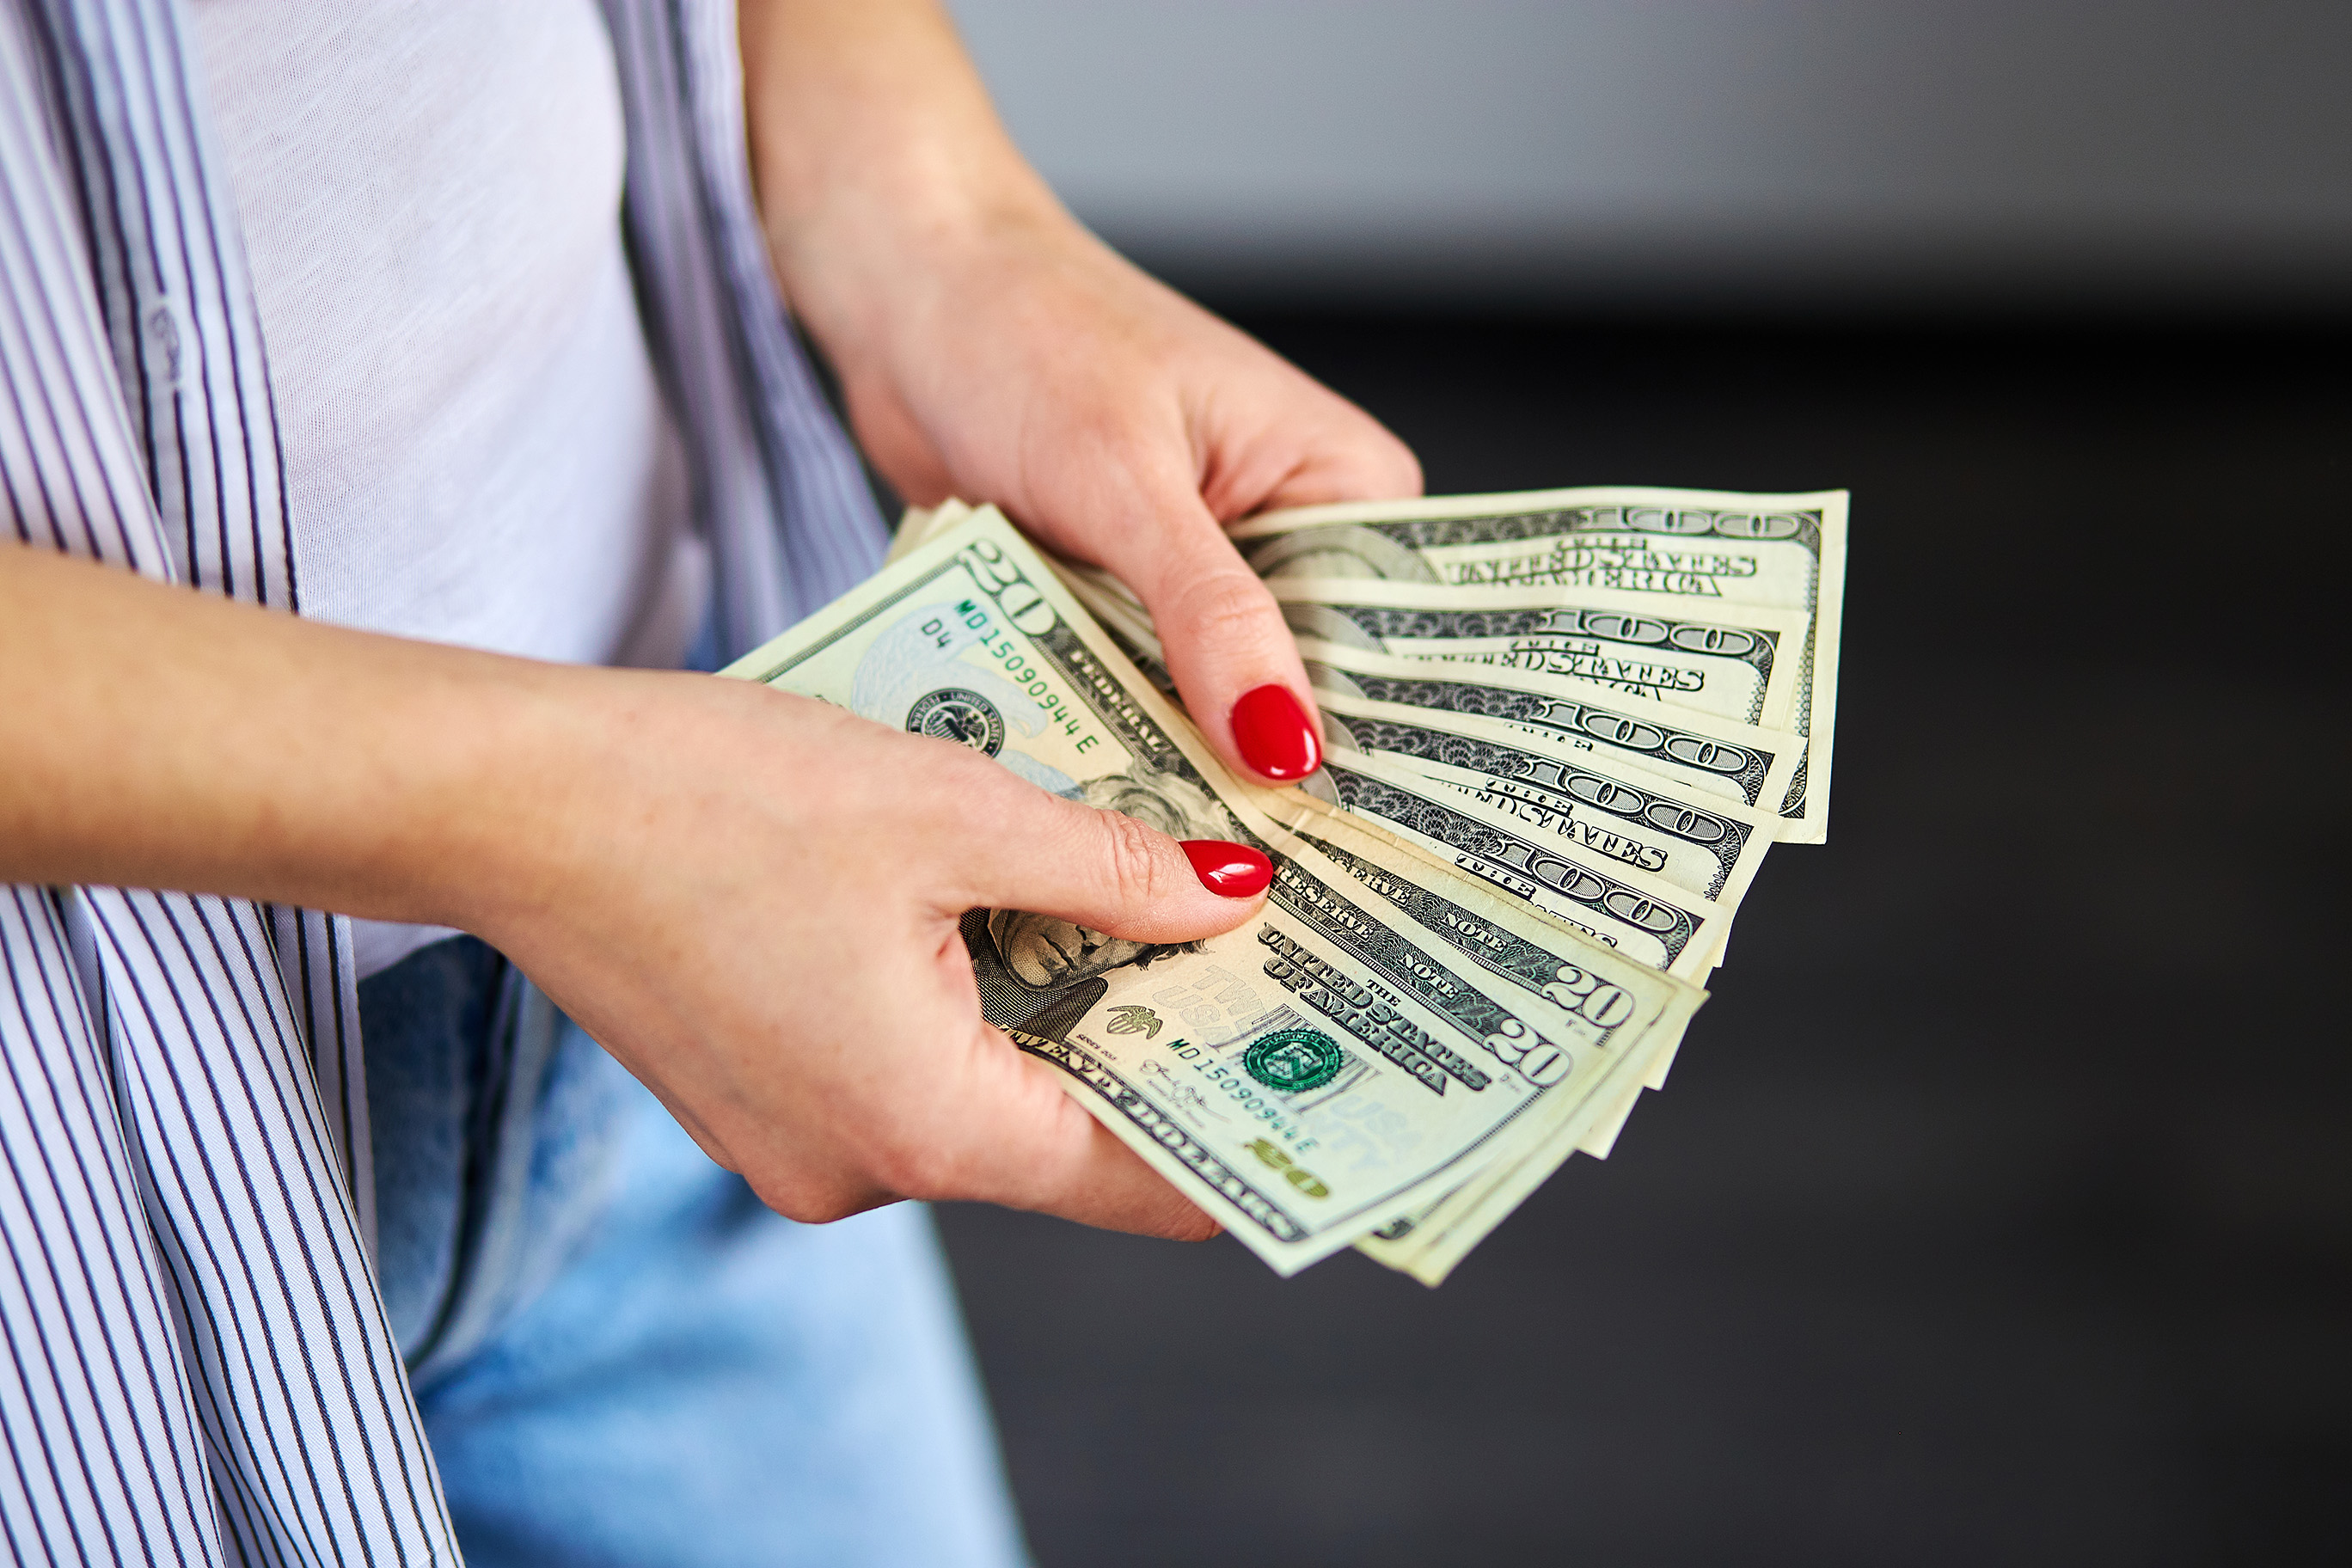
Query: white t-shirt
x,y
475,449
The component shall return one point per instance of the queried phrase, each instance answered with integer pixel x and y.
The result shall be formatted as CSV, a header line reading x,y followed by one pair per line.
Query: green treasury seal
x,y
1294,1060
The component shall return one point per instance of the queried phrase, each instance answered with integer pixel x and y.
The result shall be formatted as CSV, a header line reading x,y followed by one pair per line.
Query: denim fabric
x,y
621,1356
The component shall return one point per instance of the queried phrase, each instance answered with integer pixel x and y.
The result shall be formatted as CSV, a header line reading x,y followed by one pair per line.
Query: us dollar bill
x,y
1427,1241
1709,846
1705,757
1115,607
1454,732
1430,1242
1701,763
1734,662
1513,961
1706,547
1630,911
1744,833
1671,760
1383,1032
922,523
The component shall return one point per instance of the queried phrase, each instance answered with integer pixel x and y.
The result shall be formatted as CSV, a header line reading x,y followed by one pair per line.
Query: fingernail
x,y
1229,871
1274,735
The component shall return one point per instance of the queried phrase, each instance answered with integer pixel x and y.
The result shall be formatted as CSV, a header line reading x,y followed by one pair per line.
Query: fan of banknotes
x,y
1563,728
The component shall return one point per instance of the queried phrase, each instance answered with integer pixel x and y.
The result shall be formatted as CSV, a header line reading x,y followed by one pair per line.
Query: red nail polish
x,y
1229,871
1274,735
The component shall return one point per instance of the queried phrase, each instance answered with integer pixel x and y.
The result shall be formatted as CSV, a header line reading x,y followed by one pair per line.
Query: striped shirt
x,y
195,1364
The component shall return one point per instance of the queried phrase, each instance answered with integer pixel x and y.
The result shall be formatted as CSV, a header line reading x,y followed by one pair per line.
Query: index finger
x,y
1233,658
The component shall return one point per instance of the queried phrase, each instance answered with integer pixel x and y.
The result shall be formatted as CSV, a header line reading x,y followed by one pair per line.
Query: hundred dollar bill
x,y
1711,847
1703,546
1632,912
1704,756
1734,662
1383,1032
1707,757
1628,736
1114,606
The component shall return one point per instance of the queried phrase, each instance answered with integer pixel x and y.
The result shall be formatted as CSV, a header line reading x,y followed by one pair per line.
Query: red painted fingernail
x,y
1229,871
1273,734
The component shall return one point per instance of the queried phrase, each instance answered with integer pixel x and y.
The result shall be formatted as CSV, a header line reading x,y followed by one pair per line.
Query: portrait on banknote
x,y
1040,973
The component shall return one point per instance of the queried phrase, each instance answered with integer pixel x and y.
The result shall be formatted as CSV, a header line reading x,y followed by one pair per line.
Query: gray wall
x,y
1903,153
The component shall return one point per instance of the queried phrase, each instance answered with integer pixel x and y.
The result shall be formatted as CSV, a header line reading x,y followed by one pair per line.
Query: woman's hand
x,y
1123,426
751,899
990,348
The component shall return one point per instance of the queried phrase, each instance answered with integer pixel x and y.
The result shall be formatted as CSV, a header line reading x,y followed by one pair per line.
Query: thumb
x,y
1105,871
1233,659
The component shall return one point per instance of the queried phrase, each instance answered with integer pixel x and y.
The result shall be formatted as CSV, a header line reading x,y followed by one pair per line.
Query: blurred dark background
x,y
1999,1209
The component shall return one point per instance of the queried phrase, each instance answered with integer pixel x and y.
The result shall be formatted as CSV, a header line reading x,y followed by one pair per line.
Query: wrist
x,y
500,817
862,263
878,161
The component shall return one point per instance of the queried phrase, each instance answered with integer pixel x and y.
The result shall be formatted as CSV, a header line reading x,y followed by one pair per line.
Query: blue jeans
x,y
621,1356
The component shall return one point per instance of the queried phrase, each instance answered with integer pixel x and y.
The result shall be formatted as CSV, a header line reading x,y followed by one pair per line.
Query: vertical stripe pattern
x,y
241,1178
778,488
101,1453
194,1362
161,239
68,468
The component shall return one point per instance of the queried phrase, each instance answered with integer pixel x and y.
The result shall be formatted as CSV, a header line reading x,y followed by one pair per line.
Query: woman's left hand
x,y
990,348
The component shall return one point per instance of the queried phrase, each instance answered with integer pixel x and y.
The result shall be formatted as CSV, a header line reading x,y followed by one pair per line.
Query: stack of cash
x,y
1563,727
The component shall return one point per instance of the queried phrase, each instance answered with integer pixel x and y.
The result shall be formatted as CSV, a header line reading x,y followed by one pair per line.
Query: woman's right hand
x,y
751,899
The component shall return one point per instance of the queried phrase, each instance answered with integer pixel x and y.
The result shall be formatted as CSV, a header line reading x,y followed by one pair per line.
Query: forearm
x,y
157,738
876,151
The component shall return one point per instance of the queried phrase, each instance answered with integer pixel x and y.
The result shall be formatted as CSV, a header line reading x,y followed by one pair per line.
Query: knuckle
x,y
1131,852
1225,603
